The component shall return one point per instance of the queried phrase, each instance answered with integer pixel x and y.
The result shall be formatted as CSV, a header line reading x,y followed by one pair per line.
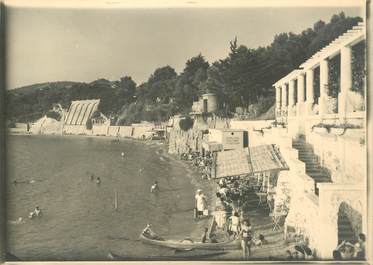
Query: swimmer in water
x,y
15,182
36,212
122,154
141,171
98,180
18,221
154,188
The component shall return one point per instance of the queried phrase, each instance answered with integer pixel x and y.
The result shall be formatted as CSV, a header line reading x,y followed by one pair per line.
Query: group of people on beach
x,y
229,216
237,224
203,163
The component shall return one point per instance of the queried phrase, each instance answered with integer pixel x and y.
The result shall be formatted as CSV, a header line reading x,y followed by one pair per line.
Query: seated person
x,y
150,234
260,240
344,251
360,247
223,191
304,250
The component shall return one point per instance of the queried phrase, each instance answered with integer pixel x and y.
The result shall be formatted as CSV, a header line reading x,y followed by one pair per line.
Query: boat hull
x,y
188,245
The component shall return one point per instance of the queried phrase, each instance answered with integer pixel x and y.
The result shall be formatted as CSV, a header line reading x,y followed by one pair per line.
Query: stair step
x,y
314,169
313,165
315,172
307,156
317,175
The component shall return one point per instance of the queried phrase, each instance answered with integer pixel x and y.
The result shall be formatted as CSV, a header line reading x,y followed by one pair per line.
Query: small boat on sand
x,y
176,257
187,244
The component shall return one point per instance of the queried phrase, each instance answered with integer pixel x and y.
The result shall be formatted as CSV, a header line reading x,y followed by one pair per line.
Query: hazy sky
x,y
86,44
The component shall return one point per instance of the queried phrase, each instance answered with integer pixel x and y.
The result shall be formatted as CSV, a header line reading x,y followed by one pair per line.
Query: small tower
x,y
209,103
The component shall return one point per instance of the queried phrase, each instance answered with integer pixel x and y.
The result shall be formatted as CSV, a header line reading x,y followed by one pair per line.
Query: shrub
x,y
53,115
186,123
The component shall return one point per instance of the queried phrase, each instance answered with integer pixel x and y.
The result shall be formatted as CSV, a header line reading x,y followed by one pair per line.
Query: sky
x,y
81,44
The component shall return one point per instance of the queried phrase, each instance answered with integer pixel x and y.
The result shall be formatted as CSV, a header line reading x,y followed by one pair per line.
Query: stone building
x,y
207,103
321,109
326,128
225,139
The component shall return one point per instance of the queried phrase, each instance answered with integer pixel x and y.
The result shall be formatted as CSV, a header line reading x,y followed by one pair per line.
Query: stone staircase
x,y
313,167
262,224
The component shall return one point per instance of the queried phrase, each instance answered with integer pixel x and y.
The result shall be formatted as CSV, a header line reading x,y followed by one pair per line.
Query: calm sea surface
x,y
79,221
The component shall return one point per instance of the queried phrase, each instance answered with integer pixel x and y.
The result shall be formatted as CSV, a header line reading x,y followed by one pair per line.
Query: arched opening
x,y
349,223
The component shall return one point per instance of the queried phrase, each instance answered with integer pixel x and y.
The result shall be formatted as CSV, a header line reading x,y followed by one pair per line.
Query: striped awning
x,y
232,163
248,161
266,158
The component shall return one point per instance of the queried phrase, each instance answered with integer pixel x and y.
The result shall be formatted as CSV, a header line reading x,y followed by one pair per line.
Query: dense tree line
x,y
242,79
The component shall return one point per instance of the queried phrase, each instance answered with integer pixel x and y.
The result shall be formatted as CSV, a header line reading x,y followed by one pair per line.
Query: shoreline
x,y
198,183
192,173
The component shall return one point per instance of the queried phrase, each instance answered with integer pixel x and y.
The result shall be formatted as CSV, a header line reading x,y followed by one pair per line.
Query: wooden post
x,y
115,200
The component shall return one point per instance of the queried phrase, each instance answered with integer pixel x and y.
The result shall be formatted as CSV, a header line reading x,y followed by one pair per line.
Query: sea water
x,y
79,220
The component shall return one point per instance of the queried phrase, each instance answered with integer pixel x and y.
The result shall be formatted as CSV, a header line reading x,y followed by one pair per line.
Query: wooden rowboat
x,y
184,256
188,244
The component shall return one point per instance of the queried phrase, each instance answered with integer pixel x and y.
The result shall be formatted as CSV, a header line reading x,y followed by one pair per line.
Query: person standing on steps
x,y
246,238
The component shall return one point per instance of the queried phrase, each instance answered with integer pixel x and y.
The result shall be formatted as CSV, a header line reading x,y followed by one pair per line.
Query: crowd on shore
x,y
232,200
230,207
203,163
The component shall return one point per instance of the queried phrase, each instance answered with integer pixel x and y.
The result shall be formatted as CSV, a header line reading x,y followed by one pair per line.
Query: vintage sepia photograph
x,y
185,131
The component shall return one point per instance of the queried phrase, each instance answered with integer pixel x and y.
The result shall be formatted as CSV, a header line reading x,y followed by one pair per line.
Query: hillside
x,y
243,79
40,86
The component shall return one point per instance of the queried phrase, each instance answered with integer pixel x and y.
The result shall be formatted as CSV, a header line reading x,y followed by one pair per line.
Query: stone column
x,y
346,81
324,80
309,91
291,93
301,88
300,103
284,100
291,96
278,102
278,97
